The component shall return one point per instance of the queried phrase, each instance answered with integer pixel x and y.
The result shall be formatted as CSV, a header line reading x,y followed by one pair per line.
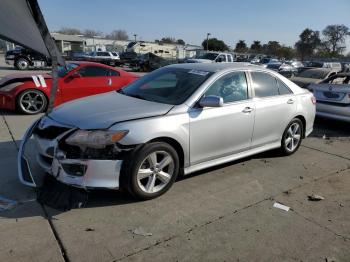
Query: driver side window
x,y
231,87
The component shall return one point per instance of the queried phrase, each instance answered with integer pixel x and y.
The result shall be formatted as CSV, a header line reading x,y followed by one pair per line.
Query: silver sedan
x,y
176,120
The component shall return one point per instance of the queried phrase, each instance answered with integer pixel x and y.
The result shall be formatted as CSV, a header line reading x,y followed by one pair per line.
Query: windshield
x,y
167,85
210,56
63,70
315,74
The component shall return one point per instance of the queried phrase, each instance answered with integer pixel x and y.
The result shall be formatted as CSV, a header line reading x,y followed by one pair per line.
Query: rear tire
x,y
150,171
292,137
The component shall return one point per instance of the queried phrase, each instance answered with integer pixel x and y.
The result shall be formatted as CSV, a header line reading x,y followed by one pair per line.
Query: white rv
x,y
162,50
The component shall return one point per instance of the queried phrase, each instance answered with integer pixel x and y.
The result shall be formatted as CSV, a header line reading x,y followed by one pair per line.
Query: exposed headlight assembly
x,y
95,139
9,87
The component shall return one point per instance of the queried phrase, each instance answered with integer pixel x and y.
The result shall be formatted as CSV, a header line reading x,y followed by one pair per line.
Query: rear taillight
x,y
313,100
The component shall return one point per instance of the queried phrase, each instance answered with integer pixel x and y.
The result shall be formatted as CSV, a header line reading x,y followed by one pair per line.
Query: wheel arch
x,y
303,121
175,144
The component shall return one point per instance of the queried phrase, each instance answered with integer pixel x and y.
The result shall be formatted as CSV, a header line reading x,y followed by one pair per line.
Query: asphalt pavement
x,y
224,213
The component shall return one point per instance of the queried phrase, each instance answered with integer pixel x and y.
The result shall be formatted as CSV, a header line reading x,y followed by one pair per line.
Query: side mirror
x,y
76,75
211,101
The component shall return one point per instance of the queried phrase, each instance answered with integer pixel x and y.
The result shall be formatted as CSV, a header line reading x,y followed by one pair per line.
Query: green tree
x,y
168,40
241,47
272,48
180,42
286,52
215,45
256,47
308,42
335,36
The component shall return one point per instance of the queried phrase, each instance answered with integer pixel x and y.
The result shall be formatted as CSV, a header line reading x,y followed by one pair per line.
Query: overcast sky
x,y
228,20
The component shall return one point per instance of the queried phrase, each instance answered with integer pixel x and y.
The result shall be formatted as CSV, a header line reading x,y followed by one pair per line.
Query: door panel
x,y
272,116
275,106
218,132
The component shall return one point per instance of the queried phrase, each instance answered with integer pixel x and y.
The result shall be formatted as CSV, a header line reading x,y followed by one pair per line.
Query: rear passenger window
x,y
283,89
264,85
113,73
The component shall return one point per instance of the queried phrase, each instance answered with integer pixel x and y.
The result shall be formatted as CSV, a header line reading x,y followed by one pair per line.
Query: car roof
x,y
216,67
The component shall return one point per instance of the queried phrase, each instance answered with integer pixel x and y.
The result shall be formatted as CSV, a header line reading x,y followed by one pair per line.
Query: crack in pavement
x,y
9,130
328,153
47,217
236,211
321,226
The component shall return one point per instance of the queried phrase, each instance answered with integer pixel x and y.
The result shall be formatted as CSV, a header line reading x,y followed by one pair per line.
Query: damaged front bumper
x,y
82,173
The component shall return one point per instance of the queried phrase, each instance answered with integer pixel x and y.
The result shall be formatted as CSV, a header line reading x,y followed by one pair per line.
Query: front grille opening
x,y
47,160
74,169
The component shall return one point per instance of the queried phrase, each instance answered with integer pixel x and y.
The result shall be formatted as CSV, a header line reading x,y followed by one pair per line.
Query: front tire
x,y
22,64
31,102
151,171
292,137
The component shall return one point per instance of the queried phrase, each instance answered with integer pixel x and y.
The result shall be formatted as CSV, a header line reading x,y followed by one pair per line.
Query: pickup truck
x,y
212,57
107,58
22,59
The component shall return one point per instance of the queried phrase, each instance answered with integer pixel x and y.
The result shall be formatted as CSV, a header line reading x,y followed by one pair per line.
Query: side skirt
x,y
230,158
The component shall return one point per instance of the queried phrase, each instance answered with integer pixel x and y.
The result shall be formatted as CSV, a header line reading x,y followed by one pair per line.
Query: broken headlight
x,y
95,139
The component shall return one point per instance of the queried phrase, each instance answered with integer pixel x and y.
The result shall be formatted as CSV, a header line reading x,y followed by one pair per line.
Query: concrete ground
x,y
221,214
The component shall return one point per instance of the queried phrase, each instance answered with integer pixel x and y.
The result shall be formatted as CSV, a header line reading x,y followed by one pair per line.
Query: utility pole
x,y
208,34
135,35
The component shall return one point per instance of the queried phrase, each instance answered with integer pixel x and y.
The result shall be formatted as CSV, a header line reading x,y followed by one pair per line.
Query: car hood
x,y
302,81
102,111
23,77
199,61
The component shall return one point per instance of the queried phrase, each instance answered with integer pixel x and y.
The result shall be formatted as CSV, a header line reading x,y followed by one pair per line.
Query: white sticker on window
x,y
198,72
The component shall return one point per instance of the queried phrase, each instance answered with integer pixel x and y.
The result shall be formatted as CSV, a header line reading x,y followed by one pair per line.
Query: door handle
x,y
247,110
290,101
109,81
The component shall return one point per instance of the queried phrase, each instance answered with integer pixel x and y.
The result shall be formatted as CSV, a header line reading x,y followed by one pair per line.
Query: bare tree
x,y
69,31
335,36
92,33
118,35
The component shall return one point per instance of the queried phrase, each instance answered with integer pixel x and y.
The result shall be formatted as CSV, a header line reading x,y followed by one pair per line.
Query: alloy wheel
x,y
293,137
32,102
155,172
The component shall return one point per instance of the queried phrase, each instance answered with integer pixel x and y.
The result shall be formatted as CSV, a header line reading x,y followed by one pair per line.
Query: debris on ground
x,y
314,197
89,229
325,137
7,204
287,192
301,177
280,206
330,259
341,205
141,232
61,196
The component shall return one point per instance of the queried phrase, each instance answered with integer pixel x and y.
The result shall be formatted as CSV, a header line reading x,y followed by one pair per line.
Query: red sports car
x,y
30,93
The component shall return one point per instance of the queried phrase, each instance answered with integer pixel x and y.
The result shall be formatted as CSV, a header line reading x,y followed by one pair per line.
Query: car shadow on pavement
x,y
330,128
